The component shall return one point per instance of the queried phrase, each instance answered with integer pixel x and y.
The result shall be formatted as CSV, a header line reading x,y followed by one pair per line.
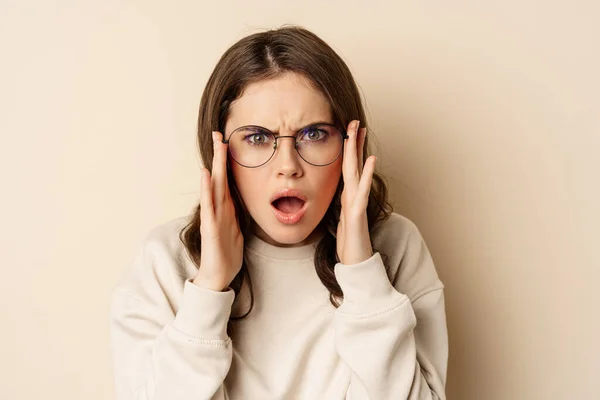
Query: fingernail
x,y
357,125
214,138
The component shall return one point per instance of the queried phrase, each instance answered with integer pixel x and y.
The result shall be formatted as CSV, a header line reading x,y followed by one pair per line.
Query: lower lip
x,y
289,218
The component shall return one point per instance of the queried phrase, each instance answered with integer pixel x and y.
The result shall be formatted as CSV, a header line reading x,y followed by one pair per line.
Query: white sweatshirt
x,y
388,340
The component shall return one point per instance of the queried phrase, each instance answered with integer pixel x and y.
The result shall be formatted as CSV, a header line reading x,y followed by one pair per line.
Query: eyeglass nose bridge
x,y
288,136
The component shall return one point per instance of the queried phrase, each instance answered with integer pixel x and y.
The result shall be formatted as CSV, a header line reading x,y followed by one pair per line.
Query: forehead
x,y
287,102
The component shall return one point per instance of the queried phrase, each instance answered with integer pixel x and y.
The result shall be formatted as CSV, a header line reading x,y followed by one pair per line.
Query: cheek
x,y
245,181
238,176
329,181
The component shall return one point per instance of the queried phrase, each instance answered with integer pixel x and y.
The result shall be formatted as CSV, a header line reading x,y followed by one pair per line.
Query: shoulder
x,y
396,224
161,260
163,242
166,234
407,258
396,234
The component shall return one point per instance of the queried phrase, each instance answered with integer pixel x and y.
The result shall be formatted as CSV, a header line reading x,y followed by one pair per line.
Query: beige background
x,y
490,116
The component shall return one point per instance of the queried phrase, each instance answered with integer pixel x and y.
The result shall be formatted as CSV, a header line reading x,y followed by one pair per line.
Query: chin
x,y
288,235
292,235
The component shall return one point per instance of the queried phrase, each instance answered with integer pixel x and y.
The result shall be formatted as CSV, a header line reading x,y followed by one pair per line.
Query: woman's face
x,y
283,105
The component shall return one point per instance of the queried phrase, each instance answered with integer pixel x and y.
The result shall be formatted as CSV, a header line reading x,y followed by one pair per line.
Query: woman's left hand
x,y
353,239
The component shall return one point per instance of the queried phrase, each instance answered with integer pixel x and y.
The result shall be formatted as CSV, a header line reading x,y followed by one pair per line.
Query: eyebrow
x,y
297,130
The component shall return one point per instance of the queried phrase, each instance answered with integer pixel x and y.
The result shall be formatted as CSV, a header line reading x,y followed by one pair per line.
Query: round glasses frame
x,y
342,132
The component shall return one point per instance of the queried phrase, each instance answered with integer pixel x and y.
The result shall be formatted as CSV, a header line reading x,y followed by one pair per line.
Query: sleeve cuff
x,y
204,313
366,287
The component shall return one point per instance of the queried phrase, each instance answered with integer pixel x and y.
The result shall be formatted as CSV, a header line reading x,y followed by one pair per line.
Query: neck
x,y
261,234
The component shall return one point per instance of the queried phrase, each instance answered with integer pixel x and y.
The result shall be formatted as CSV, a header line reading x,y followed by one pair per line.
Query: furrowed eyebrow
x,y
259,128
313,124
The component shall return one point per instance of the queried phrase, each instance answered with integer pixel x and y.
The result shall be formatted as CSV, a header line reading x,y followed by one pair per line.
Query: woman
x,y
293,278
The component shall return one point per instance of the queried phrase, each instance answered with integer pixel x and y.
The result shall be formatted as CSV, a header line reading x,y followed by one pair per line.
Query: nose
x,y
286,159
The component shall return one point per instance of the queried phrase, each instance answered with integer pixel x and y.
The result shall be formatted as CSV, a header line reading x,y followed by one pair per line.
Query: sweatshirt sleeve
x,y
396,346
160,354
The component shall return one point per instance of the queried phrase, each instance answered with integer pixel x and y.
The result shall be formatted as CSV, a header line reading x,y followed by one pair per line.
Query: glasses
x,y
252,146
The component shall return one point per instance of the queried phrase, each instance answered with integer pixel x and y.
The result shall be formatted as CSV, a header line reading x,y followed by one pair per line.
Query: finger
x,y
361,144
349,165
206,203
362,195
340,228
219,169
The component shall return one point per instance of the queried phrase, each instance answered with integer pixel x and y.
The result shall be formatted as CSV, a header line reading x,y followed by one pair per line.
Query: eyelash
x,y
308,131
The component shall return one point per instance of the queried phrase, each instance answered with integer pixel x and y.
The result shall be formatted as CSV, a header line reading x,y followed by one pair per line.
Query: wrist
x,y
207,284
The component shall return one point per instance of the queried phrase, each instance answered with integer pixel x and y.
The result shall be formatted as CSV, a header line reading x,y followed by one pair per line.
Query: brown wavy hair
x,y
262,56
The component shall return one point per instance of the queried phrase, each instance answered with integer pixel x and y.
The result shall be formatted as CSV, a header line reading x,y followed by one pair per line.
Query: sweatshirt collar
x,y
256,244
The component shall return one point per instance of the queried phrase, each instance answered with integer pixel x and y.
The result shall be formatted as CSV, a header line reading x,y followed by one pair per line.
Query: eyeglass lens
x,y
317,144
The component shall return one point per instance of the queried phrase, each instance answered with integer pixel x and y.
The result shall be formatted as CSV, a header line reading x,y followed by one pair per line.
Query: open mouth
x,y
289,209
288,205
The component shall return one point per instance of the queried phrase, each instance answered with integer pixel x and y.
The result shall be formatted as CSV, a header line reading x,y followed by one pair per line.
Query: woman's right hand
x,y
222,242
